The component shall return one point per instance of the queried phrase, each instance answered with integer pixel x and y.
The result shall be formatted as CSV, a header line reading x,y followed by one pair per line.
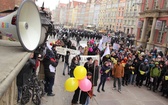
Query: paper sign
x,y
84,58
52,68
62,51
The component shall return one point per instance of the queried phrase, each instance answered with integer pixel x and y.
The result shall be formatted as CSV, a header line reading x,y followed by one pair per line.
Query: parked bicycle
x,y
33,89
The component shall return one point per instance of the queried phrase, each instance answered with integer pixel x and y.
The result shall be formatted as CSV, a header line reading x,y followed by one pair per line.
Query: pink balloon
x,y
85,85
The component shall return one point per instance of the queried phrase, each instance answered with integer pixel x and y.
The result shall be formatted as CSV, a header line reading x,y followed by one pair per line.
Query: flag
x,y
106,52
100,45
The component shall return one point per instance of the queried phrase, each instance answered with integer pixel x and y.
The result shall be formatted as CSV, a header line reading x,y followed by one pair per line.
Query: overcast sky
x,y
53,3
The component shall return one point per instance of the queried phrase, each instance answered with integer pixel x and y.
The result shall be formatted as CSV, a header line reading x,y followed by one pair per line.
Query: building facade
x,y
152,24
8,5
91,12
87,10
120,15
131,16
80,15
96,13
114,10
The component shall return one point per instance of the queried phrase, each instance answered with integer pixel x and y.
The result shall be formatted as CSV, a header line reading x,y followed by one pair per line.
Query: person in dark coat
x,y
127,72
69,43
105,70
94,69
66,63
165,85
88,64
95,72
74,63
50,63
142,72
78,39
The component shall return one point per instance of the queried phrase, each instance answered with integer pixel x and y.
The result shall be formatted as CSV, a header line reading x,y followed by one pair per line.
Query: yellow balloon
x,y
71,84
80,72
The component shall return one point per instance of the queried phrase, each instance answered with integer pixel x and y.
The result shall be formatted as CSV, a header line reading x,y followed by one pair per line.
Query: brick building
x,y
8,5
153,24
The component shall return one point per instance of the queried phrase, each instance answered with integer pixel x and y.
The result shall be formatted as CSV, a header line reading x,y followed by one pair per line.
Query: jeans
x,y
119,83
65,66
102,82
49,84
76,96
125,79
87,101
155,80
140,78
132,78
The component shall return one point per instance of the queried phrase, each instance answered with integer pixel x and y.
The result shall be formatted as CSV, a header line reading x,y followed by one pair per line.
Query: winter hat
x,y
156,63
145,60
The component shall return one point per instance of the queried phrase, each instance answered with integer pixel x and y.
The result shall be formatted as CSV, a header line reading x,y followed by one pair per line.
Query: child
x,y
84,98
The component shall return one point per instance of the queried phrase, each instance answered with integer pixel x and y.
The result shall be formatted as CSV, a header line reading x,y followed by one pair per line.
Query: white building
x,y
96,14
131,16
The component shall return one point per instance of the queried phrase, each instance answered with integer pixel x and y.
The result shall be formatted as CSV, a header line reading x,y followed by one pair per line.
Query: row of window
x,y
162,31
156,4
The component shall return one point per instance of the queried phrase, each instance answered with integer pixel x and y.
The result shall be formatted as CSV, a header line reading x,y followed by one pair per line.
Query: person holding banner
x,y
74,63
88,64
66,63
95,73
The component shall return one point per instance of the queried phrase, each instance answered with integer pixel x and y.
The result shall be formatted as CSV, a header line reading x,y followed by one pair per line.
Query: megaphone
x,y
23,25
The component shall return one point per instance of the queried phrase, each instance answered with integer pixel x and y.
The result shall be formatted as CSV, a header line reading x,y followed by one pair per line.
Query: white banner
x,y
84,59
116,46
62,51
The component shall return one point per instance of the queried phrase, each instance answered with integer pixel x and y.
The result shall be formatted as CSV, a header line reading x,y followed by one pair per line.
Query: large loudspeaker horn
x,y
23,25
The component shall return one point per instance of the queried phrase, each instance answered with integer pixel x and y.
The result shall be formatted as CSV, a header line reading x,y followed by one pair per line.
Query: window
x,y
165,4
146,4
125,22
161,32
128,22
122,13
155,6
132,22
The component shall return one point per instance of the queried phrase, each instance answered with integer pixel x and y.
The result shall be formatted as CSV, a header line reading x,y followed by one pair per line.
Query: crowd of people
x,y
129,65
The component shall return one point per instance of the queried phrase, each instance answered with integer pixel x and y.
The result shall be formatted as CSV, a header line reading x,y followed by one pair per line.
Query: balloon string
x,y
96,101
